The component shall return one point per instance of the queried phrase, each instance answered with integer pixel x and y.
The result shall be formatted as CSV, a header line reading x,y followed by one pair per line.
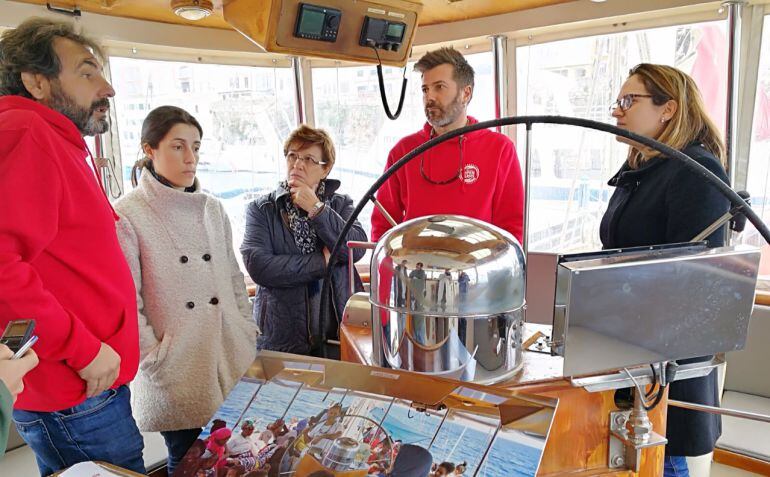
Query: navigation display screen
x,y
396,30
312,22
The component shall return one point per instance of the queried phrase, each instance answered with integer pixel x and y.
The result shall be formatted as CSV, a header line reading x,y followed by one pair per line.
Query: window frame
x,y
111,140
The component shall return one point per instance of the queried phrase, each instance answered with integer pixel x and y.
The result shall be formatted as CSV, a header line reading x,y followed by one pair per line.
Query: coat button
x,y
206,257
214,301
190,305
183,259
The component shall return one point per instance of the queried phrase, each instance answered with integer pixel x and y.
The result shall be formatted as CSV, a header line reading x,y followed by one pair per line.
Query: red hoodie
x,y
60,260
490,187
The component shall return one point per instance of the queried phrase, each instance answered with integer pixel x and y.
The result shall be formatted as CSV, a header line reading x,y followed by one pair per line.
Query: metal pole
x,y
352,245
527,180
296,66
734,10
501,92
245,409
387,411
720,410
285,411
527,177
489,448
438,429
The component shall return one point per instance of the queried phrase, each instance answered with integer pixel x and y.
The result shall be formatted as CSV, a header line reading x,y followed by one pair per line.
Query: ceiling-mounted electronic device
x,y
336,29
382,33
317,23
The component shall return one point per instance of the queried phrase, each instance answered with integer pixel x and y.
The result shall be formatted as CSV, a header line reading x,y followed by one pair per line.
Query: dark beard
x,y
83,118
448,116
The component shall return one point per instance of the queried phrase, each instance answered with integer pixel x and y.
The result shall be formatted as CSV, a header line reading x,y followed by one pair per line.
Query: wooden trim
x,y
762,298
740,461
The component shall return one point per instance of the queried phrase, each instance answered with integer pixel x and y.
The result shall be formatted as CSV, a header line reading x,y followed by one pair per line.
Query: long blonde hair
x,y
690,123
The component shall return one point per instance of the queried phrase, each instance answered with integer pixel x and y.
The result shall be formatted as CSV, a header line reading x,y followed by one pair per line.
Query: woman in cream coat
x,y
196,333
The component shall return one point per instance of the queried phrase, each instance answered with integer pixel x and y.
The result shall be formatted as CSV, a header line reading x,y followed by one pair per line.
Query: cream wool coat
x,y
196,334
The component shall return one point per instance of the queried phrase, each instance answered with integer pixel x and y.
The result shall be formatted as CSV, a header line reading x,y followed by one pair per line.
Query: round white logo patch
x,y
470,174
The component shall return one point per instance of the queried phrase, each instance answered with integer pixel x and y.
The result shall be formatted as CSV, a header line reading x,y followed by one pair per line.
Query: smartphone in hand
x,y
27,345
17,333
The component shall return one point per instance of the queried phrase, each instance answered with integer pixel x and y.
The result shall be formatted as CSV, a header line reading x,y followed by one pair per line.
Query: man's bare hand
x,y
102,372
13,370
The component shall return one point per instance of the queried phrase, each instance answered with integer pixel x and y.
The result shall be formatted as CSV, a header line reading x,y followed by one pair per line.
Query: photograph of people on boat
x,y
281,427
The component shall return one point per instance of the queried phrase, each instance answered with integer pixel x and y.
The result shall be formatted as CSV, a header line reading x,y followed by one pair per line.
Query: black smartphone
x,y
17,333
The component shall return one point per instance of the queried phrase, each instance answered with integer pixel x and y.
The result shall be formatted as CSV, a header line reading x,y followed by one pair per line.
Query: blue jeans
x,y
178,443
675,466
100,428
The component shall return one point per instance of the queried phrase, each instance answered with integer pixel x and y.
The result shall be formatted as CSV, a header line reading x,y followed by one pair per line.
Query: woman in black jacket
x,y
658,201
289,234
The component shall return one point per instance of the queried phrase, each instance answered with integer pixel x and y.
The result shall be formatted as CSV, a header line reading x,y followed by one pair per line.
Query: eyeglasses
x,y
626,101
292,157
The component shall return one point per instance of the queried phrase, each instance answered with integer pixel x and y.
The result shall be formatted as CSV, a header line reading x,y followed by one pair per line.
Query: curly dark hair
x,y
29,48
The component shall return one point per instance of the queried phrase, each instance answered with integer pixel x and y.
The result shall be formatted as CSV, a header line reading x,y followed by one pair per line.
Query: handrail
x,y
352,244
753,416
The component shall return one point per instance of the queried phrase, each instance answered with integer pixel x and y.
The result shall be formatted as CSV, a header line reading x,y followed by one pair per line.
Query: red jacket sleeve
x,y
30,196
508,200
389,196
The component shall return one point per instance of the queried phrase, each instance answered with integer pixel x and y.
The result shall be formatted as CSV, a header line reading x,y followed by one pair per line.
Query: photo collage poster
x,y
287,426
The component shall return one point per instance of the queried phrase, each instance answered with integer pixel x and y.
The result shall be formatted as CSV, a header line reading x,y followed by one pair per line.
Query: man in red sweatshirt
x,y
60,260
476,174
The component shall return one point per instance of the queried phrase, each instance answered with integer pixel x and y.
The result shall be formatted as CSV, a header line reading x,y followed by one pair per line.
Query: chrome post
x,y
527,181
499,48
296,67
734,10
352,244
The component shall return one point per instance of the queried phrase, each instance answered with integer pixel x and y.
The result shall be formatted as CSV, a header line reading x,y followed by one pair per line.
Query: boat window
x,y
347,103
246,113
580,77
759,158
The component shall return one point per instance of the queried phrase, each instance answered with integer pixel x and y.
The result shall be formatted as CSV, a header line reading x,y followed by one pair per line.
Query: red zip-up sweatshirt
x,y
489,187
60,260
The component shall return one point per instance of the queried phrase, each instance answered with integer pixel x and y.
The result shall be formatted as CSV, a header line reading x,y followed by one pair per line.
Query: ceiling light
x,y
192,9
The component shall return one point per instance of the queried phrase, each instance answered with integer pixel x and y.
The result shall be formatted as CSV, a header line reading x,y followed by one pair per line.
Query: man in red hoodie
x,y
476,174
60,260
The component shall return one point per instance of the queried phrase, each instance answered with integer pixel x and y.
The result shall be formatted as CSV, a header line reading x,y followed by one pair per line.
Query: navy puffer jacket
x,y
287,304
664,202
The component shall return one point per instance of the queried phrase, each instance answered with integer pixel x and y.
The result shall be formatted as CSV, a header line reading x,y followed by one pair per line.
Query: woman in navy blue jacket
x,y
658,201
289,234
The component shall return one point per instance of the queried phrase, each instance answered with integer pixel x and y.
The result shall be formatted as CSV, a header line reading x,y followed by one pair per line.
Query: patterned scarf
x,y
301,228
